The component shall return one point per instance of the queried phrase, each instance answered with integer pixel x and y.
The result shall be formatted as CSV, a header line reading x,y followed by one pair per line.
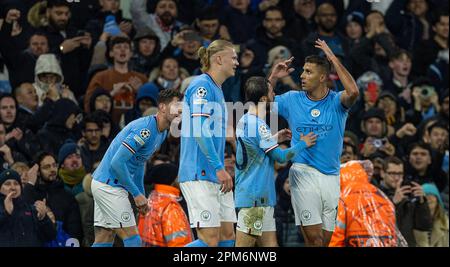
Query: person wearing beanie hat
x,y
21,224
121,172
166,224
71,169
375,128
355,26
147,51
439,235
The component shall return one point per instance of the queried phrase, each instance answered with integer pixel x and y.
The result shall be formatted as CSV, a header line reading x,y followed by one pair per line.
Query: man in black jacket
x,y
21,224
49,187
411,208
72,46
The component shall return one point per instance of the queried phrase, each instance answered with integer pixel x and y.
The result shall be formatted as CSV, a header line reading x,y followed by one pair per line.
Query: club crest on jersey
x,y
263,131
315,113
201,92
145,133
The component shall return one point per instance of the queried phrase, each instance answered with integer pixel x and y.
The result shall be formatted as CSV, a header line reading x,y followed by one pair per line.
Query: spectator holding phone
x,y
411,206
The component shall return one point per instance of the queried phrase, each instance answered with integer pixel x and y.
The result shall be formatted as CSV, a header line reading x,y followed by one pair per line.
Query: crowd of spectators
x,y
73,73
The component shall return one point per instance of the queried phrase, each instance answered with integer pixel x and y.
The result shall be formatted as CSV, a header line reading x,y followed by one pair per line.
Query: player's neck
x,y
161,123
318,94
259,110
217,77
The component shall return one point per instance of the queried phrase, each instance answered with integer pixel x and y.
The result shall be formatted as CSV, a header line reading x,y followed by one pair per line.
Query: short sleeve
x,y
282,104
201,100
136,139
266,140
338,104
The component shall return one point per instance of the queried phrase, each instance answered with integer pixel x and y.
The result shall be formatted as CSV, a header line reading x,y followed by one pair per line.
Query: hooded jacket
x,y
55,132
145,64
366,217
62,203
46,63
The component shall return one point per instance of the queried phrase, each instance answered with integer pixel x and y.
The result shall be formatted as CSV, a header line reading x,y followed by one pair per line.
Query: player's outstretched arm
x,y
283,155
351,93
118,164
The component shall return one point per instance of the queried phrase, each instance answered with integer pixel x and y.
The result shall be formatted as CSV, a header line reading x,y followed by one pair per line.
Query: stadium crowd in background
x,y
74,73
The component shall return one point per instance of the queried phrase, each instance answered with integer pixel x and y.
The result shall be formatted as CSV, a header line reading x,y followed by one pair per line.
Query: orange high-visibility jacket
x,y
166,224
366,217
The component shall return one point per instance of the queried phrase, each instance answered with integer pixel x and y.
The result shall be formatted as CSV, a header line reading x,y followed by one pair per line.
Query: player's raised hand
x,y
225,180
142,204
310,139
282,69
322,45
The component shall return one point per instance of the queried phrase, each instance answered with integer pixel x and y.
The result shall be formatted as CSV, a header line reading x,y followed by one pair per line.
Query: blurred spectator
x,y
400,65
21,224
389,103
240,20
62,208
366,217
184,47
101,100
354,27
86,202
424,102
20,63
146,54
147,97
97,25
166,224
119,79
270,35
409,21
48,74
375,128
326,19
71,169
373,51
411,207
93,144
420,168
169,75
349,152
61,126
109,128
28,101
303,23
426,52
438,236
18,137
7,156
71,45
163,21
210,27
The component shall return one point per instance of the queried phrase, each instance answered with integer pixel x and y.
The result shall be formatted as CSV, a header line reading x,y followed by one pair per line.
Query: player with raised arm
x,y
121,172
314,176
204,182
257,151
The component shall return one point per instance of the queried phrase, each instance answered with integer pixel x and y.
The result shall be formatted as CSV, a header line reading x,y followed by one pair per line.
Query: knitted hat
x,y
374,113
431,189
357,17
9,175
165,173
68,148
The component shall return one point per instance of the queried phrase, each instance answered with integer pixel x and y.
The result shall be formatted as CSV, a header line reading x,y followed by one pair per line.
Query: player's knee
x,y
212,242
103,235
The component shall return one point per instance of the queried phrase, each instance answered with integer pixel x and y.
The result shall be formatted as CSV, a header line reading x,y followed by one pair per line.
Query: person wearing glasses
x,y
412,212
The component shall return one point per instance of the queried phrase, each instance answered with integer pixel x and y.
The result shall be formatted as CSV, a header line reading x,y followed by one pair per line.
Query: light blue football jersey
x,y
325,117
203,98
142,138
255,174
